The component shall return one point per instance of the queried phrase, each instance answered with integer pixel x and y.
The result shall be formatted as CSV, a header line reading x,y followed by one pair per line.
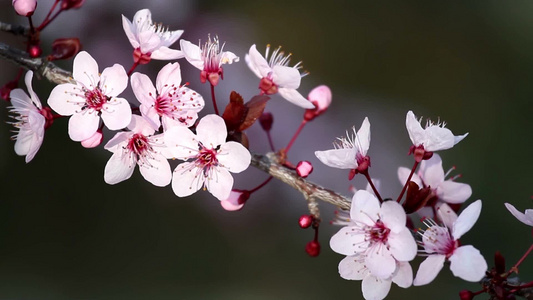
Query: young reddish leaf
x,y
416,198
235,112
255,108
239,137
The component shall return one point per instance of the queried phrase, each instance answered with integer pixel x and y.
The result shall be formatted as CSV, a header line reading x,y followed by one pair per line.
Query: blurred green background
x,y
65,234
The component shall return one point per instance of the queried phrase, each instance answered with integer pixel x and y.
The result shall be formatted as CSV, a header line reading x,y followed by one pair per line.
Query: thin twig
x,y
15,29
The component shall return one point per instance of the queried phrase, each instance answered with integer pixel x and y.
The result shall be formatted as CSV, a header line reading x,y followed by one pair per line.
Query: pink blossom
x,y
141,147
321,98
151,39
173,103
29,120
378,232
94,141
208,58
25,7
94,95
236,200
211,158
526,218
441,243
276,76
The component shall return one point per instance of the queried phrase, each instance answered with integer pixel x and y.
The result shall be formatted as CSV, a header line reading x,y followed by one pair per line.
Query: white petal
x,y
294,97
187,179
393,215
429,269
181,142
403,174
353,268
28,78
459,138
168,78
149,41
66,99
82,126
374,288
402,245
219,183
380,262
438,138
85,70
128,29
286,77
165,53
404,275
468,264
34,147
524,218
156,171
466,219
234,157
365,208
257,63
143,89
113,80
338,158
454,192
141,125
432,172
192,53
118,141
142,16
415,130
211,131
20,100
363,137
116,113
348,240
119,167
228,58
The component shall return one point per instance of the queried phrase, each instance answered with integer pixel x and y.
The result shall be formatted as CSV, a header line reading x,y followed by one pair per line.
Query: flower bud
x,y
304,168
313,248
69,4
266,119
466,295
25,8
321,98
94,140
35,51
305,221
64,48
236,200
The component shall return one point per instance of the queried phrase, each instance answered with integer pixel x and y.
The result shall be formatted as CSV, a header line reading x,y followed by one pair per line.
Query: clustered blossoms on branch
x,y
379,237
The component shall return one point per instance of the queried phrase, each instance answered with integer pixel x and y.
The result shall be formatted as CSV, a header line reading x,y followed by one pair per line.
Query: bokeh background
x,y
65,234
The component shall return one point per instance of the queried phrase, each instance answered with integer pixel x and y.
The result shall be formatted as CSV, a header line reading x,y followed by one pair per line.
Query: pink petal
x,y
66,99
219,183
119,167
143,89
429,269
141,16
141,125
257,63
82,126
128,27
113,80
393,216
353,268
192,53
363,137
338,158
380,262
149,41
415,130
36,143
468,264
321,95
466,219
234,157
365,208
232,202
211,131
348,240
20,100
432,172
156,170
118,141
404,275
526,218
454,192
187,179
446,214
85,70
168,78
402,245
116,113
286,77
165,53
27,79
295,98
228,58
374,288
24,142
181,142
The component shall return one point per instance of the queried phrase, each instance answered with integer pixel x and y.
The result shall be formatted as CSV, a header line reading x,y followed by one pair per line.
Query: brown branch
x,y
268,163
15,29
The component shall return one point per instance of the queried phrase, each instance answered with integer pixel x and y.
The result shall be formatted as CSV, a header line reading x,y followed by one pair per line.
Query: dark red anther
x,y
313,248
64,48
306,221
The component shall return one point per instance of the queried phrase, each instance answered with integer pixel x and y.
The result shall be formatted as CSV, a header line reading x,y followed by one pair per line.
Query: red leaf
x,y
235,112
255,108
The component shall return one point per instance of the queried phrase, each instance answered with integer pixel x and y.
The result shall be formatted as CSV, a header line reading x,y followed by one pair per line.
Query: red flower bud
x,y
305,221
266,119
313,248
64,48
69,4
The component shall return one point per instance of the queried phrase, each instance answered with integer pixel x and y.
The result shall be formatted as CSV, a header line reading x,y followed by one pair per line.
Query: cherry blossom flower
x,y
431,174
350,151
374,288
29,120
441,243
376,232
93,96
149,39
433,137
175,104
276,76
212,158
138,146
526,218
208,59
320,96
235,200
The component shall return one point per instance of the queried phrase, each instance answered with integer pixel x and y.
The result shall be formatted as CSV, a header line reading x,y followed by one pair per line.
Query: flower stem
x,y
51,10
515,267
214,99
407,182
135,64
46,22
295,136
261,185
372,185
270,141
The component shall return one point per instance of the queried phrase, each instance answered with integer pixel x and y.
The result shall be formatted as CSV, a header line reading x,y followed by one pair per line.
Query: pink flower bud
x,y
94,140
304,168
236,200
321,98
313,248
25,8
305,221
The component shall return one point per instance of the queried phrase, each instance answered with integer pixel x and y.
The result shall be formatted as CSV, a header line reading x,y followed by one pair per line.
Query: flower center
x,y
206,159
95,99
267,86
163,105
139,144
378,233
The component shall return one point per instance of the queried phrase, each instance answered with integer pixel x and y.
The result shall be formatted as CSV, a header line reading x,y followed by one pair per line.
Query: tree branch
x,y
268,163
15,29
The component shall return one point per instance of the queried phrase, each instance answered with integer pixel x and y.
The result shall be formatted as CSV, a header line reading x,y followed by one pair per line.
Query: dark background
x,y
65,234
